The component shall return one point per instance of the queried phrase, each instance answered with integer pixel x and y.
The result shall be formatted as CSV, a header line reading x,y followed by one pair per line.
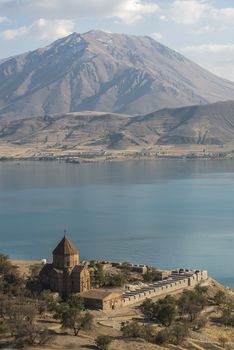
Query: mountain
x,y
104,72
211,124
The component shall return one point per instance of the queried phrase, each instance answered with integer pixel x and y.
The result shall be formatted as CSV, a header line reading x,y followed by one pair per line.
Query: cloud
x,y
157,36
126,10
218,58
41,29
211,48
190,12
204,29
187,12
3,20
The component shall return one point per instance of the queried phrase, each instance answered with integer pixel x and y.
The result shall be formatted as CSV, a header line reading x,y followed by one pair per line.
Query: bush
x,y
103,342
162,337
135,330
75,301
163,311
152,276
132,330
178,333
116,280
219,298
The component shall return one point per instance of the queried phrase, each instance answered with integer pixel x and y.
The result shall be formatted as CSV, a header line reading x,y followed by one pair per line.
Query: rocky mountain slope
x,y
211,124
104,72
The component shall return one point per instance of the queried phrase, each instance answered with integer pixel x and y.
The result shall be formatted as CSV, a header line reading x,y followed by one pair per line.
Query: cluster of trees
x,y
152,275
72,315
164,311
177,315
18,308
226,306
10,281
174,334
102,279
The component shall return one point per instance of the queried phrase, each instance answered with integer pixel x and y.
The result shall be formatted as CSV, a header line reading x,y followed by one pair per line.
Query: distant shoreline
x,y
133,157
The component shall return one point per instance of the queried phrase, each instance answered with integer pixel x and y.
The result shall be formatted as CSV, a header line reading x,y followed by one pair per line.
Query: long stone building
x,y
66,274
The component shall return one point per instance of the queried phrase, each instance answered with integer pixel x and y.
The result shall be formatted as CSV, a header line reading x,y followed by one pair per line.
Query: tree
x,y
152,275
103,342
178,333
5,265
99,276
116,280
72,318
75,301
132,330
219,297
135,330
148,309
190,303
162,337
166,314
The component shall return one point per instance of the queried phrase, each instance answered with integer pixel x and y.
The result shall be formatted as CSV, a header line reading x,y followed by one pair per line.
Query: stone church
x,y
66,274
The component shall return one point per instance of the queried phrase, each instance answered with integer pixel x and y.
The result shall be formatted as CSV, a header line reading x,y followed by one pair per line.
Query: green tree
x,y
166,314
178,333
131,330
75,301
99,276
190,303
103,342
219,298
116,280
162,337
152,275
5,265
73,319
148,309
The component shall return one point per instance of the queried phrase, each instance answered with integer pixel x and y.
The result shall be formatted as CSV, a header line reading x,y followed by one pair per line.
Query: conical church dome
x,y
65,247
65,255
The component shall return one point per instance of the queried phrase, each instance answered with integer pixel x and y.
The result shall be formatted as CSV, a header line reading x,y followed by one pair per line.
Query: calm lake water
x,y
168,213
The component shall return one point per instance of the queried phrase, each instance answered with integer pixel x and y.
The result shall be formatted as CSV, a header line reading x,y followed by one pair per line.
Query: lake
x,y
167,213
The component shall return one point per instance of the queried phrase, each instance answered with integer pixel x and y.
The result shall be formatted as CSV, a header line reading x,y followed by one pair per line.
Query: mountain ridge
x,y
211,124
107,72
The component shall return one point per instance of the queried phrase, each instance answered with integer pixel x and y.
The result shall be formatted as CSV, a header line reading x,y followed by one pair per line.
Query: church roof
x,y
100,294
65,247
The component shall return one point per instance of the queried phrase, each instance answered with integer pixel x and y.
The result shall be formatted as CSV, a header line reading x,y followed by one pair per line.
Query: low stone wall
x,y
168,287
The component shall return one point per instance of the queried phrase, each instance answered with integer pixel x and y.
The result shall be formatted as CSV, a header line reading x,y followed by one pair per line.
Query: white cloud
x,y
157,36
211,48
41,29
190,12
205,29
218,58
125,10
223,15
187,12
131,10
3,19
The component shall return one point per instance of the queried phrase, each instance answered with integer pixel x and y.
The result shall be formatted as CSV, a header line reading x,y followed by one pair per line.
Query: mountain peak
x,y
106,72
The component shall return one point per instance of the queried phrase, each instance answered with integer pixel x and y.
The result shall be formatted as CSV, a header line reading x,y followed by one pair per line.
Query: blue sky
x,y
202,30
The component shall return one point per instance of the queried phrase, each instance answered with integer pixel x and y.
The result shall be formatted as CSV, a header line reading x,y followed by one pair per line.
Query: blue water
x,y
168,213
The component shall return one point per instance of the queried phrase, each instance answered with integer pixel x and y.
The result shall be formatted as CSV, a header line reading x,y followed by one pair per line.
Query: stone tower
x,y
66,274
65,255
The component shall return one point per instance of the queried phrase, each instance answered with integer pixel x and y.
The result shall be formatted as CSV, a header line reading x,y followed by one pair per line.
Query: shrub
x,y
162,337
103,342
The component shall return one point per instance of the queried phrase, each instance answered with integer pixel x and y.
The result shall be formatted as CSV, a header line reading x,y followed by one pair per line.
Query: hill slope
x,y
104,72
196,125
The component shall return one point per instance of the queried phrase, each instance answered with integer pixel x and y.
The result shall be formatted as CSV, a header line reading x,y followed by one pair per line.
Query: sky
x,y
202,30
